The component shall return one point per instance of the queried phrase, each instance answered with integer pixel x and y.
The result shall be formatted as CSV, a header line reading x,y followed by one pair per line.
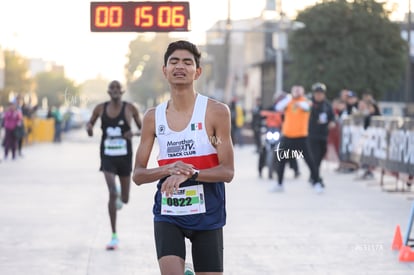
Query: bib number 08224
x,y
179,201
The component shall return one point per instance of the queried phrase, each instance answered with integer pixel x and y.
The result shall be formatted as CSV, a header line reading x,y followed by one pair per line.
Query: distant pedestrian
x,y
257,123
321,120
58,117
237,122
294,136
12,119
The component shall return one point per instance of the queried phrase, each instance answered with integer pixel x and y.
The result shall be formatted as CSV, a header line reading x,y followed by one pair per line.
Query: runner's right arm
x,y
95,115
142,174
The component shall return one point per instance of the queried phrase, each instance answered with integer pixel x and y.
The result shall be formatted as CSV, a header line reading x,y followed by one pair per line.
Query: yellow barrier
x,y
39,130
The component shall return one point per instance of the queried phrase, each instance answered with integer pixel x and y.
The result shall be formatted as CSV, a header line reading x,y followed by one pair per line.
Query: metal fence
x,y
388,143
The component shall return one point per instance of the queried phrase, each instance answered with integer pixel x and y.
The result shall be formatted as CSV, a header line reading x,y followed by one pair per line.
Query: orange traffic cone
x,y
397,243
406,254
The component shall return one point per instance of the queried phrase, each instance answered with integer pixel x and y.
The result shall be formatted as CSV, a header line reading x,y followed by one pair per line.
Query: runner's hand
x,y
128,135
89,129
180,168
172,183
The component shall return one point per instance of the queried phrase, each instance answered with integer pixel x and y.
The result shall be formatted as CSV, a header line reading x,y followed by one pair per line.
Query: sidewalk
x,y
53,220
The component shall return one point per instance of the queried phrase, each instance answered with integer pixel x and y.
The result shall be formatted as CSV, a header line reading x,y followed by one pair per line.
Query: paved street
x,y
53,220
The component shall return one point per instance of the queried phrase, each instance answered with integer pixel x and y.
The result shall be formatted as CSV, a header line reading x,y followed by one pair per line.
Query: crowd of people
x,y
309,123
12,119
16,125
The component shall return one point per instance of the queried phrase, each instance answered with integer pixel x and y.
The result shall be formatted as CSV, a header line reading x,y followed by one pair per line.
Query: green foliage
x,y
55,87
16,75
350,45
143,69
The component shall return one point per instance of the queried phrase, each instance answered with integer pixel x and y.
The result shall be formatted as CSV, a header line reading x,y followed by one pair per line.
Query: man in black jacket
x,y
321,119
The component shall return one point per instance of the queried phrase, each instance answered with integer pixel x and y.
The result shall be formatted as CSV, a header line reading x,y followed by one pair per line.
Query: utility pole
x,y
408,84
227,67
279,45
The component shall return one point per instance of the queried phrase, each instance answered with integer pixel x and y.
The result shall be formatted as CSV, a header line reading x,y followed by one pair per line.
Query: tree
x,y
143,70
16,75
350,45
56,88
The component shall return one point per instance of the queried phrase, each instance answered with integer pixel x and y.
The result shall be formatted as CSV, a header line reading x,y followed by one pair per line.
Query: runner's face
x,y
115,90
181,68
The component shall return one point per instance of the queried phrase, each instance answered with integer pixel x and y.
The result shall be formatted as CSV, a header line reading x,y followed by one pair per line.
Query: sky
x,y
59,30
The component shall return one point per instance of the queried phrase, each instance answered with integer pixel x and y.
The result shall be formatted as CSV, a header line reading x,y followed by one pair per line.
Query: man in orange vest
x,y
294,144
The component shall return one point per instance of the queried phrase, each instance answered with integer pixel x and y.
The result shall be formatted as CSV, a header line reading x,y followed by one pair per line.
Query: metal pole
x,y
408,70
227,92
279,50
279,66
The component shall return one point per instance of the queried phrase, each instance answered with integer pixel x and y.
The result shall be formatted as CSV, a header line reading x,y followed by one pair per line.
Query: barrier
x,y
39,130
387,144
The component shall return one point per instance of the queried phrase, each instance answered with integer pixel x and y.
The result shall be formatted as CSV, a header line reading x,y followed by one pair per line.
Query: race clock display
x,y
140,16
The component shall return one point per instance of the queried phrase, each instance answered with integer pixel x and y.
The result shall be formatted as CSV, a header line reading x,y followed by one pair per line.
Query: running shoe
x,y
368,175
319,188
113,244
188,270
118,201
277,188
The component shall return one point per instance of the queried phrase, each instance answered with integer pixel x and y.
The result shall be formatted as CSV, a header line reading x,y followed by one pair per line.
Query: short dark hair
x,y
183,45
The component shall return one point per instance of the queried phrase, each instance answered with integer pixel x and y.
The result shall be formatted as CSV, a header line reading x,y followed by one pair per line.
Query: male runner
x,y
195,159
116,148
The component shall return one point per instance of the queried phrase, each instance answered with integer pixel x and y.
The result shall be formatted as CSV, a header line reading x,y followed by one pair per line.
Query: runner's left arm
x,y
137,119
224,172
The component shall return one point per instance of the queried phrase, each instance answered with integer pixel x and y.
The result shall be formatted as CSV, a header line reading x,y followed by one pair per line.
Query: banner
x,y
387,143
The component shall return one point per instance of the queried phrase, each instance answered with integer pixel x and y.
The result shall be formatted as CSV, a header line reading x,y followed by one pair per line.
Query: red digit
x,y
115,17
178,18
164,16
101,16
143,17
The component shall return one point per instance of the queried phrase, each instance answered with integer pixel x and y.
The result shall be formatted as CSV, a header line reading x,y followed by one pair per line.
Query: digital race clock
x,y
140,16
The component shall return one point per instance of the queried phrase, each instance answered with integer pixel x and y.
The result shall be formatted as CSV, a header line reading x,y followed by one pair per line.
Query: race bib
x,y
115,147
323,118
185,201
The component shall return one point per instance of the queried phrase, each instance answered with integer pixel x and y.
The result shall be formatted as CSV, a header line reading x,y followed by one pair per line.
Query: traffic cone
x,y
406,254
397,243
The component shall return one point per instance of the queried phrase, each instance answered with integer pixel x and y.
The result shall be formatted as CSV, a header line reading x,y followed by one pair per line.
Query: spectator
x,y
351,103
320,121
57,117
12,119
1,125
343,96
257,123
237,122
338,107
369,109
